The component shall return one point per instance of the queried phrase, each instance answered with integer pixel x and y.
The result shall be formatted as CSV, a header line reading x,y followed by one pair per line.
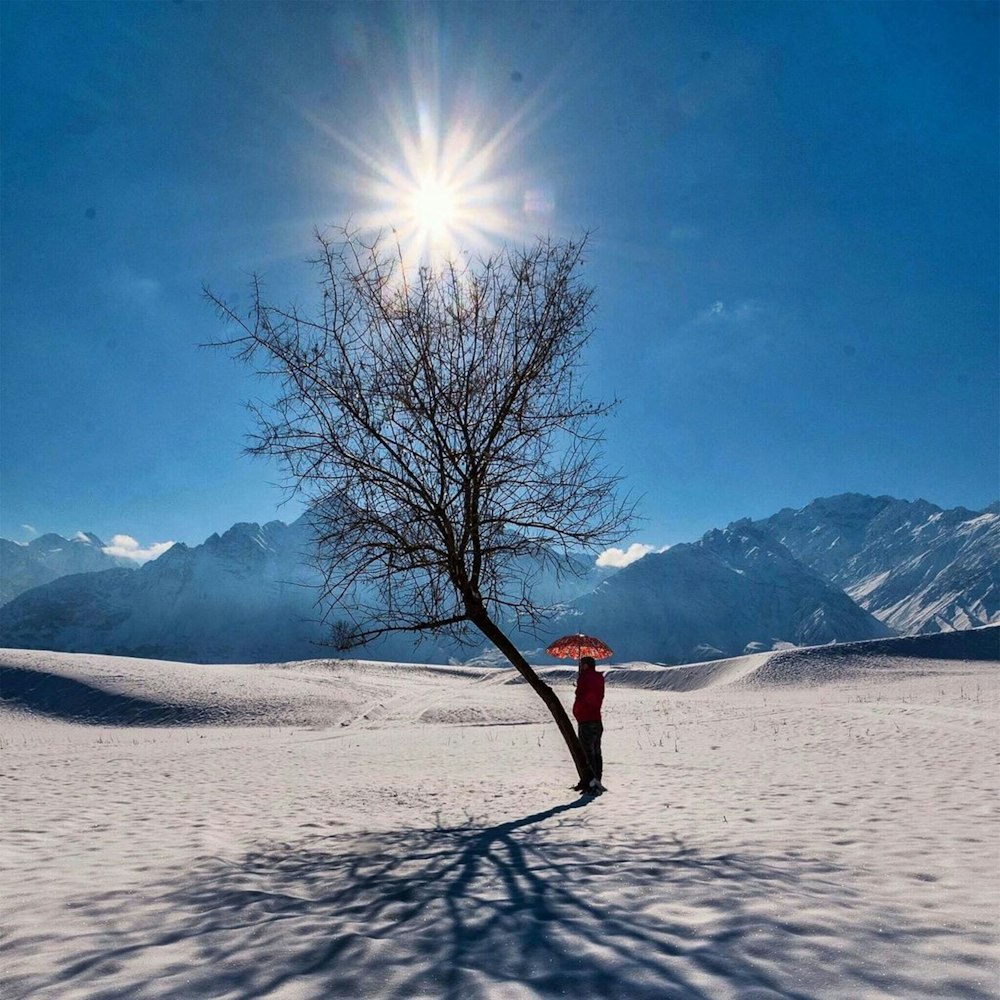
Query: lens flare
x,y
441,181
442,191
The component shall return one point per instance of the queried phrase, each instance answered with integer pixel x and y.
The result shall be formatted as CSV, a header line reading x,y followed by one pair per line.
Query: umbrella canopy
x,y
572,647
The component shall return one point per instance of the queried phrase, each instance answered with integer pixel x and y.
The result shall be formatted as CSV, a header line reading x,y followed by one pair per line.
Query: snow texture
x,y
816,823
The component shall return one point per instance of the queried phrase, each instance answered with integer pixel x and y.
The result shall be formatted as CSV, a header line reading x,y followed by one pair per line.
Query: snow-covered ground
x,y
797,824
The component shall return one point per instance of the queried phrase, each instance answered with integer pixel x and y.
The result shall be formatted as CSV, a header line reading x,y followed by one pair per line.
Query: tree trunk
x,y
496,635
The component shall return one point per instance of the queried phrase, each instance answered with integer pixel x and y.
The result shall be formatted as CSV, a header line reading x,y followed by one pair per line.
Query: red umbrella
x,y
572,647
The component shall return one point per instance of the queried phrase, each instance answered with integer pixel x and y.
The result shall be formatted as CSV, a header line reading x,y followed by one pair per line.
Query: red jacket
x,y
589,695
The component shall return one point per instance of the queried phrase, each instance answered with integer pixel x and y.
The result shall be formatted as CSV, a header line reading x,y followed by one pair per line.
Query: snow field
x,y
349,829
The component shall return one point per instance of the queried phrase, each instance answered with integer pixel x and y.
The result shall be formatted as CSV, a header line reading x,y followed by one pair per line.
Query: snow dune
x,y
807,823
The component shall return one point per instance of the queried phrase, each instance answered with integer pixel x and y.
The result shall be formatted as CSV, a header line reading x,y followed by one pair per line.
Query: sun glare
x,y
440,191
442,169
434,208
442,184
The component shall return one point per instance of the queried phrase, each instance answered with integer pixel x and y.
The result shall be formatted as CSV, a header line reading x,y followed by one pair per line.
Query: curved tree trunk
x,y
496,635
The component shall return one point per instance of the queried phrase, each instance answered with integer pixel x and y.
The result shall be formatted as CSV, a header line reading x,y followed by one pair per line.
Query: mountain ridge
x,y
735,590
839,569
914,565
24,566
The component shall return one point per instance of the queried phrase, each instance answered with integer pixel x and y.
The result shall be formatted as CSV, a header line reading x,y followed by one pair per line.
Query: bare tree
x,y
436,425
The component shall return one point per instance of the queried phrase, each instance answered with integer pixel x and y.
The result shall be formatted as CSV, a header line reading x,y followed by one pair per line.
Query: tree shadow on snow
x,y
457,912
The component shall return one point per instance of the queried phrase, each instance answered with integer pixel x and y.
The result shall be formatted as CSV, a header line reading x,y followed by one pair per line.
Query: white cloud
x,y
718,312
30,529
80,537
126,547
623,557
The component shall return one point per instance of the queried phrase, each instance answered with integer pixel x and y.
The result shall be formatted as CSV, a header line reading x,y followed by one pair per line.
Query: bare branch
x,y
436,425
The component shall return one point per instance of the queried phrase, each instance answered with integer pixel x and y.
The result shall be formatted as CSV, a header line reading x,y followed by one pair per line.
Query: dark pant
x,y
590,737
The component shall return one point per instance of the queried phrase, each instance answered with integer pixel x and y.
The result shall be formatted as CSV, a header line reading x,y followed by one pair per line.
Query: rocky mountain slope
x,y
734,591
47,558
249,594
239,595
913,565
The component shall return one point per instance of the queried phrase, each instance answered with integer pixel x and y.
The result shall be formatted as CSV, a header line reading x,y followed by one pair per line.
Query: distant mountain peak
x,y
915,565
49,557
87,538
808,576
49,540
734,589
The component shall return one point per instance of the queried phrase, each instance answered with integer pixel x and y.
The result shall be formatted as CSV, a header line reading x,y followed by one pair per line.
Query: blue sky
x,y
793,211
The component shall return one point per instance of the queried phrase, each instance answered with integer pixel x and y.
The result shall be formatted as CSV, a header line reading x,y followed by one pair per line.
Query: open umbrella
x,y
572,647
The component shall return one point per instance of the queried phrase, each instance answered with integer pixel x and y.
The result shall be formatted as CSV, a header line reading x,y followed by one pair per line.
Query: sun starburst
x,y
442,190
442,181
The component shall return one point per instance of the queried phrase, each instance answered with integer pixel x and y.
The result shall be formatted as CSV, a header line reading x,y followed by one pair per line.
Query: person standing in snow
x,y
587,712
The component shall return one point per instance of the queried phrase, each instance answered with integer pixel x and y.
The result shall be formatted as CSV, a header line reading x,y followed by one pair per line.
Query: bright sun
x,y
434,206
441,170
440,188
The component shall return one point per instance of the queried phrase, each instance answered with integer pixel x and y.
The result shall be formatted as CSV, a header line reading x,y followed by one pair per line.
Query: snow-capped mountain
x,y
734,591
916,567
49,557
248,595
242,595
